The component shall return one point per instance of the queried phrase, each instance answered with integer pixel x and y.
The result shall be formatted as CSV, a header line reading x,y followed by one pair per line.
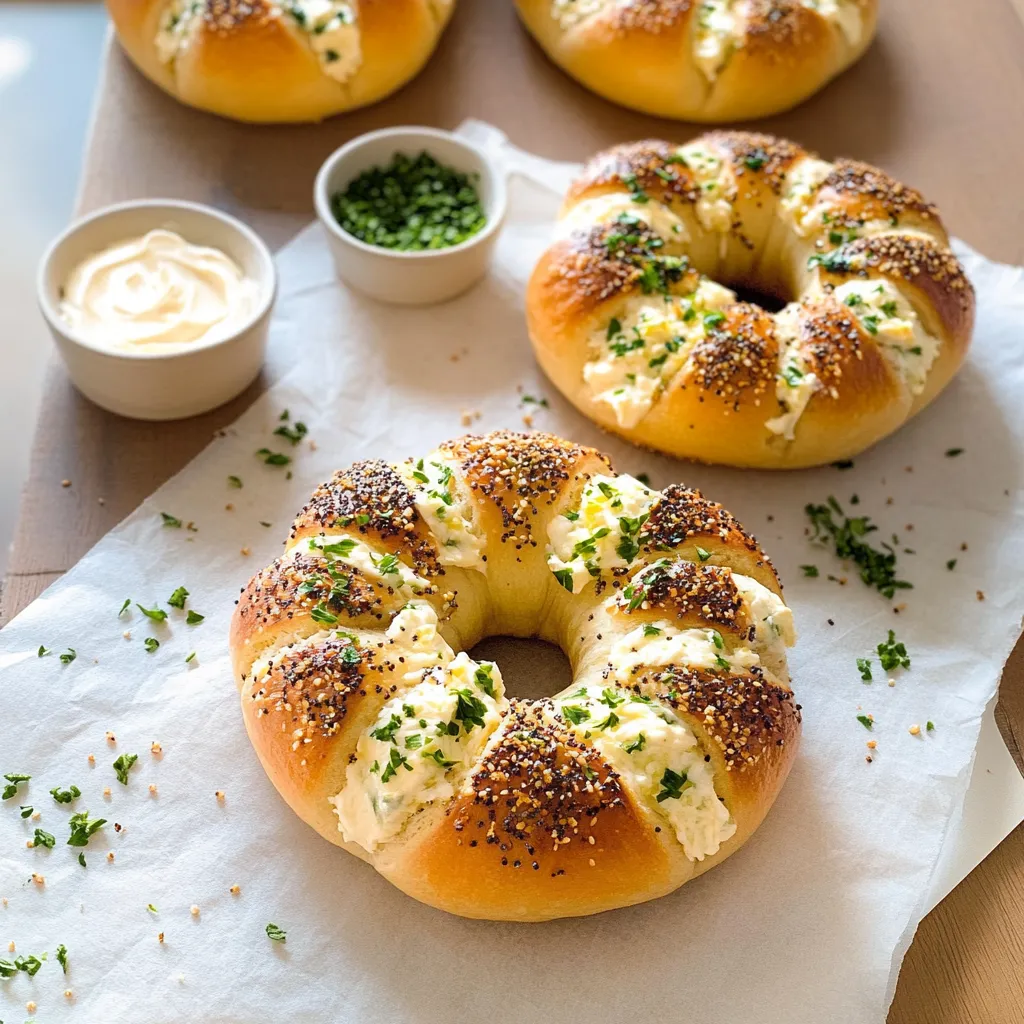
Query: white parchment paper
x,y
808,922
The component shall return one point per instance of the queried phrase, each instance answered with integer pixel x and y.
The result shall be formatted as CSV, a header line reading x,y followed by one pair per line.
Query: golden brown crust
x,y
775,223
547,818
541,823
252,61
643,54
296,714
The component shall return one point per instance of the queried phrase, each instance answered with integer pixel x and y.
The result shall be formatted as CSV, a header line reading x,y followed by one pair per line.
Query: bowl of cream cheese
x,y
159,308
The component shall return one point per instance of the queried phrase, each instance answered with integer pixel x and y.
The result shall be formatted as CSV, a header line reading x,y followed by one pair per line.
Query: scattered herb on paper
x,y
123,765
833,527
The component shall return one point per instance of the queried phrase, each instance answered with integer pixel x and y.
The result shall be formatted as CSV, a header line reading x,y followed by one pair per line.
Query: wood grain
x,y
937,101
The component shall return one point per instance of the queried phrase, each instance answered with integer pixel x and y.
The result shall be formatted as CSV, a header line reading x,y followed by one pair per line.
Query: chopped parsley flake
x,y
952,453
123,765
672,785
575,714
864,667
62,957
42,838
172,521
294,434
193,618
868,723
276,934
637,745
82,830
151,644
893,654
811,571
178,598
65,796
273,458
68,656
877,568
156,614
14,779
235,481
43,651
124,607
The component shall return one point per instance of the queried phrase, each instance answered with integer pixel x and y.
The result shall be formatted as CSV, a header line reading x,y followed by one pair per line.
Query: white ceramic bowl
x,y
171,384
410,278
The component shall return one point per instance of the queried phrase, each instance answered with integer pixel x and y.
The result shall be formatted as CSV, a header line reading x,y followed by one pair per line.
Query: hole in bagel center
x,y
770,302
530,668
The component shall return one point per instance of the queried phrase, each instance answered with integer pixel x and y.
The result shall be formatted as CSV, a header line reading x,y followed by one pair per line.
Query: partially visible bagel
x,y
703,60
658,761
279,60
629,320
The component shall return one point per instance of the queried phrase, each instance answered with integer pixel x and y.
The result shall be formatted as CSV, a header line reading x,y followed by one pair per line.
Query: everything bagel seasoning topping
x,y
412,204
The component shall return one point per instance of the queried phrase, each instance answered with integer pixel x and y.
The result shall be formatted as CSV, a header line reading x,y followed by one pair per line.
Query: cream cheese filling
x,y
621,206
717,184
419,749
388,569
795,385
636,354
660,644
719,32
446,510
601,533
333,30
657,757
176,27
891,321
799,191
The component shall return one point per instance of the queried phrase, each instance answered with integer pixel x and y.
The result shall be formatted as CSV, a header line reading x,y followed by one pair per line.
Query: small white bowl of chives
x,y
411,214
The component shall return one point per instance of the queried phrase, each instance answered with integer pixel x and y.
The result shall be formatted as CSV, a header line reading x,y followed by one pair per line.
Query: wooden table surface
x,y
939,101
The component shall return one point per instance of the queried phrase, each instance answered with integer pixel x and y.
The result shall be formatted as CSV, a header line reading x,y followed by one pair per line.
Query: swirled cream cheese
x,y
659,757
156,291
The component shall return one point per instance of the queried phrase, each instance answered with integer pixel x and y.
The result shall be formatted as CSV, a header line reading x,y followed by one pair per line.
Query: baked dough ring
x,y
279,60
703,60
659,760
627,319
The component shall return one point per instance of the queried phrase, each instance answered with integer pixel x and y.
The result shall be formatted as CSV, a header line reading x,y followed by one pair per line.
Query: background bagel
x,y
628,318
659,760
292,60
703,60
